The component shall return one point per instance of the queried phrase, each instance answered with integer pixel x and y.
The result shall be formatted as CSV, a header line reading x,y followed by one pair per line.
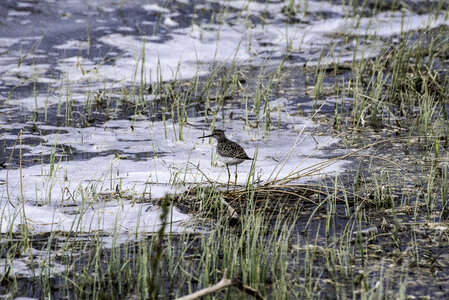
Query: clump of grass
x,y
402,78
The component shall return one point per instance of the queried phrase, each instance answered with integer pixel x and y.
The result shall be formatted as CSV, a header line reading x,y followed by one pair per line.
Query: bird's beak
x,y
206,136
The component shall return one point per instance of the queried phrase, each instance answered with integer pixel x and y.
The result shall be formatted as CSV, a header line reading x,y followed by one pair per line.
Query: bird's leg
x,y
235,183
229,178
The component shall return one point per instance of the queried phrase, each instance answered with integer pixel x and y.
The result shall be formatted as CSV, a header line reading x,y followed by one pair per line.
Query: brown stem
x,y
229,178
224,283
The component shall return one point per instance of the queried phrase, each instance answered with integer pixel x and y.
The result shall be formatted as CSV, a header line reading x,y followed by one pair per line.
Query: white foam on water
x,y
8,42
155,8
17,74
73,44
186,52
168,21
22,267
183,53
16,13
183,56
81,195
394,23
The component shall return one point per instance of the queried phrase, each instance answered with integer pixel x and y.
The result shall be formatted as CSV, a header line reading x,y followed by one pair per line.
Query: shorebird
x,y
229,152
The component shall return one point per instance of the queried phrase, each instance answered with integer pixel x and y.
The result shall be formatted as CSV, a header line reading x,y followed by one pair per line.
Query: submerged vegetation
x,y
378,230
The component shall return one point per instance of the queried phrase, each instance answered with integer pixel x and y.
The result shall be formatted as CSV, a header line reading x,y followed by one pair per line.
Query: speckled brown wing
x,y
231,149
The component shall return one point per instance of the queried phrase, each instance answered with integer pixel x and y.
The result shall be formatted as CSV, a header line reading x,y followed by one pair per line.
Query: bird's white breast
x,y
230,160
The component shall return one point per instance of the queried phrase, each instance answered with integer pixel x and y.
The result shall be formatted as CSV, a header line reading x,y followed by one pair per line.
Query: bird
x,y
229,152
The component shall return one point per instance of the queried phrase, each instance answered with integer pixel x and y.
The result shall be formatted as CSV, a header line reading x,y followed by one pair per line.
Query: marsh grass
x,y
363,234
401,79
258,249
320,233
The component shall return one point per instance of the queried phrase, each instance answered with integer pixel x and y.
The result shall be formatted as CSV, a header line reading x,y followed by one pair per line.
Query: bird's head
x,y
217,133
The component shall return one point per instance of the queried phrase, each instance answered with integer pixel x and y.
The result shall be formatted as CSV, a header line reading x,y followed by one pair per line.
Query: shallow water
x,y
49,77
94,146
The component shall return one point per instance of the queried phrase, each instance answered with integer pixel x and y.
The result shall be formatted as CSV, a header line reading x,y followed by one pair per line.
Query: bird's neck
x,y
221,139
